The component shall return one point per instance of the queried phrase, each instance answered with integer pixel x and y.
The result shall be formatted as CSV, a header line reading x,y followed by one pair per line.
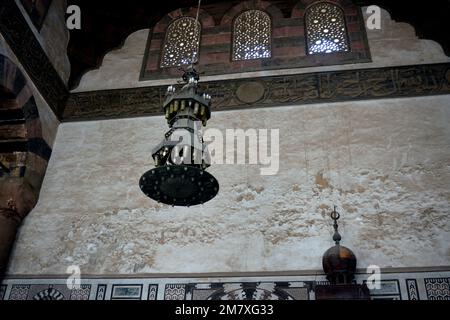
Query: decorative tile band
x,y
101,291
413,291
438,288
393,286
322,87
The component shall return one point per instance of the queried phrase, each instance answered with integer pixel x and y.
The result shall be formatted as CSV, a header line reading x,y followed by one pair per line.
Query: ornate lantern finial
x,y
335,216
339,262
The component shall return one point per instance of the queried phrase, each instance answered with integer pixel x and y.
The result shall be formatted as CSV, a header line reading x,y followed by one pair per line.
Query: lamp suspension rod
x,y
196,26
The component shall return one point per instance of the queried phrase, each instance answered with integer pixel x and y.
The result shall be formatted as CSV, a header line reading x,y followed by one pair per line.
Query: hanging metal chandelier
x,y
179,178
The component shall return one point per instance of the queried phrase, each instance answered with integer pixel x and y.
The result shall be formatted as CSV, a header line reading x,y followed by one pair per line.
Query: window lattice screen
x,y
252,35
325,27
181,44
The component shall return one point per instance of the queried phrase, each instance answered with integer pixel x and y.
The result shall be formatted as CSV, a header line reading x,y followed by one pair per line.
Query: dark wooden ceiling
x,y
106,24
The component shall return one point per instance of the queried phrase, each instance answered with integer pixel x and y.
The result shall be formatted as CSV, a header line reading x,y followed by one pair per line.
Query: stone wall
x,y
395,44
384,163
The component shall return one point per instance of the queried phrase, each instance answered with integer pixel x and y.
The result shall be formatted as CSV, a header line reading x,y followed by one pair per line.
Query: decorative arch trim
x,y
26,114
11,77
205,19
300,8
272,10
24,154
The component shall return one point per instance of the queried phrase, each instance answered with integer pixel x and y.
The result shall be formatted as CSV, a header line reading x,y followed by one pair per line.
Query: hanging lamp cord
x,y
196,26
198,10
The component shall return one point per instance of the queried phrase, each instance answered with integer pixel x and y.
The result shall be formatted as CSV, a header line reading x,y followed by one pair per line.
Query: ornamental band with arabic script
x,y
332,86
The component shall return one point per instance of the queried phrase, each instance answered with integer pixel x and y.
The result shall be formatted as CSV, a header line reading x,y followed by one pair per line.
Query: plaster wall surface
x,y
384,163
394,44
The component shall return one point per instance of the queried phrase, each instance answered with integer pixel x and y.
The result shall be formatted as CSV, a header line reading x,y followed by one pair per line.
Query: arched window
x,y
252,35
181,43
325,29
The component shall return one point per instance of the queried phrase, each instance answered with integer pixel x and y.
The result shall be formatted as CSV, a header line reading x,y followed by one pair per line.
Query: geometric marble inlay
x,y
438,288
413,292
302,287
